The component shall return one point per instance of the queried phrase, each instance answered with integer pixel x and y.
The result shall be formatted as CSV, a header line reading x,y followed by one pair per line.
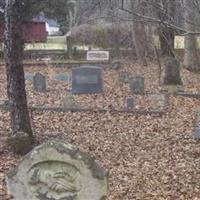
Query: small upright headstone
x,y
39,82
116,64
87,80
124,77
57,171
29,76
69,101
172,72
130,103
137,85
197,126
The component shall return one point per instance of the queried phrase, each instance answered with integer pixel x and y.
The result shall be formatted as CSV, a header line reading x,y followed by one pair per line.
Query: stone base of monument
x,y
69,101
57,171
172,88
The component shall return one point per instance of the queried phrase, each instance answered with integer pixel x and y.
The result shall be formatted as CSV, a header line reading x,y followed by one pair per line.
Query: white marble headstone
x,y
98,55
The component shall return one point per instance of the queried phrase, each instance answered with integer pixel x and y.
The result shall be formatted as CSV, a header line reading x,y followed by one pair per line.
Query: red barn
x,y
33,31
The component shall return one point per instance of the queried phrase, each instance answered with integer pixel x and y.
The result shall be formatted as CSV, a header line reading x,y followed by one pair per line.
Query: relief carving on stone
x,y
54,180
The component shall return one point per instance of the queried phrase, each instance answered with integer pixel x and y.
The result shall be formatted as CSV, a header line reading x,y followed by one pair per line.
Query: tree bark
x,y
166,37
191,57
166,34
69,46
139,35
14,48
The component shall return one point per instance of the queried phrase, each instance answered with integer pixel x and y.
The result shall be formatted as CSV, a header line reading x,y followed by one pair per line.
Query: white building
x,y
52,27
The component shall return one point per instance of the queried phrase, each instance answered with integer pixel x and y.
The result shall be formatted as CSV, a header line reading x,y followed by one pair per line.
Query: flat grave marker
x,y
87,80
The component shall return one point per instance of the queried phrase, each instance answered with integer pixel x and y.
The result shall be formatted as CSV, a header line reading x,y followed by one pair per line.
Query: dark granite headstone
x,y
39,82
172,72
87,80
137,85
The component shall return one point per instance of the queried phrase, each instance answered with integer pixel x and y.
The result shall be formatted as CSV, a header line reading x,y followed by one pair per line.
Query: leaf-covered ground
x,y
147,157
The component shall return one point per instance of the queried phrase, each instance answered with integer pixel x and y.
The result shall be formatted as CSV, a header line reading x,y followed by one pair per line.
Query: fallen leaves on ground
x,y
147,157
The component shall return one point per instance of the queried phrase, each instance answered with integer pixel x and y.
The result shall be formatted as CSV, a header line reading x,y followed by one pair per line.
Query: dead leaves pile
x,y
147,157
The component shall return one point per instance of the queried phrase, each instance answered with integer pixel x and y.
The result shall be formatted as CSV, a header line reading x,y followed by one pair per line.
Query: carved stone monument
x,y
87,80
39,82
57,171
137,85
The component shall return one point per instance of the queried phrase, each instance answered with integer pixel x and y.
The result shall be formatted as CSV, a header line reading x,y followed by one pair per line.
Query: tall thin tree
x,y
14,47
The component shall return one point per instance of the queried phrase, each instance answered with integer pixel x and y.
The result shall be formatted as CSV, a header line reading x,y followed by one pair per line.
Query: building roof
x,y
42,18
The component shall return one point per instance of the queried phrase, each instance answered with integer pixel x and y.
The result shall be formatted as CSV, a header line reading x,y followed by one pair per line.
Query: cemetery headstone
x,y
116,64
63,77
69,101
87,80
197,126
124,77
172,72
39,82
29,76
57,171
98,55
160,98
137,85
130,103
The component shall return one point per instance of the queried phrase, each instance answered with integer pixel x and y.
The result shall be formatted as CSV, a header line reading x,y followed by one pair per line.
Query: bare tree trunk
x,y
69,45
20,121
139,35
166,37
191,57
167,34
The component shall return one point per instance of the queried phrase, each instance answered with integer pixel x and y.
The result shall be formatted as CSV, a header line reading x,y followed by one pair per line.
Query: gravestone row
x,y
87,80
